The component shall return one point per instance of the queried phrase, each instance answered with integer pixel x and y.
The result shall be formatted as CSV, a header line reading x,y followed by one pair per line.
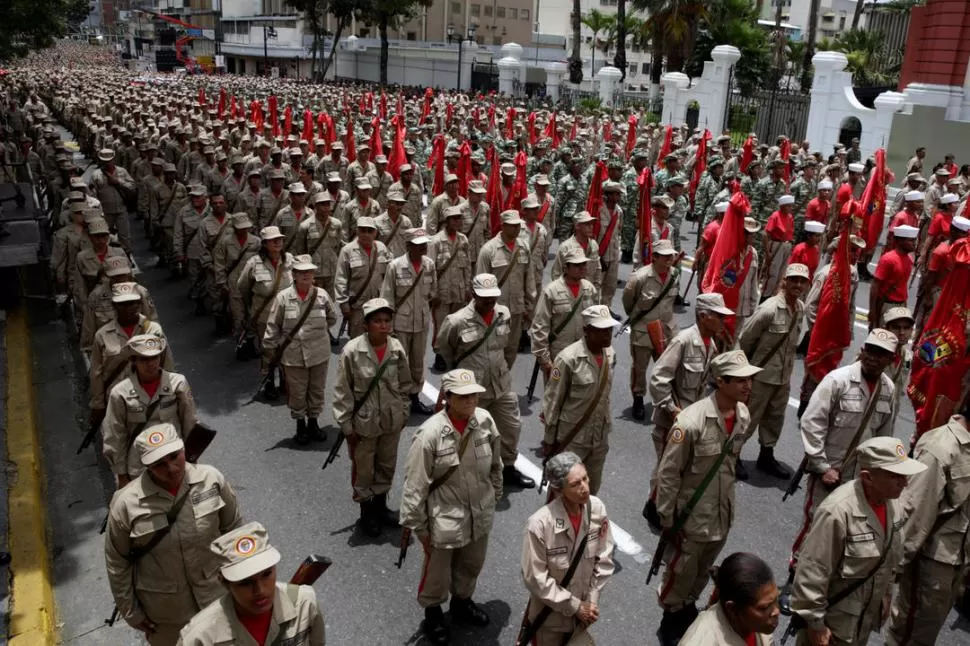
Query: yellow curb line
x,y
32,615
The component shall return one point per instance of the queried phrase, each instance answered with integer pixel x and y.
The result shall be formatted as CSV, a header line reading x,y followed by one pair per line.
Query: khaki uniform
x,y
268,206
232,188
356,170
936,550
187,243
412,208
777,254
454,276
773,325
696,440
575,384
128,404
640,295
111,357
229,258
322,242
211,231
296,620
436,212
307,356
609,252
828,424
165,203
750,293
352,285
328,165
258,286
537,241
67,242
382,416
380,185
99,311
412,311
712,627
247,202
458,334
594,271
289,222
178,577
548,548
457,516
353,210
517,283
557,308
843,545
548,219
90,272
112,198
391,233
476,225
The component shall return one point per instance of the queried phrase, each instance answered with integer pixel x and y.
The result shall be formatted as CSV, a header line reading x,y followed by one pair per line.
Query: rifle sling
x,y
588,413
242,254
472,350
701,488
323,236
288,339
774,350
414,284
639,316
124,364
440,480
866,416
451,259
276,286
370,274
569,317
152,407
371,387
137,553
508,271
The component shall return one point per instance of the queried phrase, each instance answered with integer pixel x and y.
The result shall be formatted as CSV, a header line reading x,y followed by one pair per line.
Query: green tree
x,y
597,21
27,25
386,13
870,64
734,22
675,25
314,13
76,11
344,11
806,80
576,57
795,53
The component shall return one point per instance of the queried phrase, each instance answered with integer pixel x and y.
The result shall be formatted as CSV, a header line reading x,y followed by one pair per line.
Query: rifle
x,y
88,438
532,381
405,542
333,451
277,357
796,480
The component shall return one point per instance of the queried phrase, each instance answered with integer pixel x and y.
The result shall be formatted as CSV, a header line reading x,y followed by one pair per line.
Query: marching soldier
x,y
361,265
91,261
476,337
159,530
113,187
475,220
899,321
214,227
167,200
271,200
380,180
321,238
582,239
147,395
648,300
680,377
256,605
576,404
706,438
890,282
230,255
291,216
536,237
452,482
100,310
234,184
411,285
392,224
358,169
335,163
508,258
247,201
187,245
360,206
936,505
769,339
370,407
766,192
750,293
843,582
301,317
438,205
413,194
450,251
547,206
608,243
569,196
549,549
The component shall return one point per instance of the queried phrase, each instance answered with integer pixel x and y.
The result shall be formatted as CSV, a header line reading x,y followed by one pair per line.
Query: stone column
x,y
827,82
887,104
724,57
509,68
467,60
609,77
554,76
673,83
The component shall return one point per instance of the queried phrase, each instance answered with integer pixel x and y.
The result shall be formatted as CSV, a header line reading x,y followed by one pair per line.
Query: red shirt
x,y
459,424
599,359
242,238
818,210
129,329
510,245
781,227
751,640
257,625
940,225
416,266
807,255
711,232
150,387
576,521
380,353
894,269
366,249
940,257
488,316
843,196
903,218
302,293
879,511
574,289
729,423
102,255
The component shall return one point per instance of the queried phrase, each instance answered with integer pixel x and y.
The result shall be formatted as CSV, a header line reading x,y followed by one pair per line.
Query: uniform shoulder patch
x,y
677,435
556,374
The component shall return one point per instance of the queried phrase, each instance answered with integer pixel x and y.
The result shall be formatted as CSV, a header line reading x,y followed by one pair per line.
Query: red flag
x,y
307,126
400,104
274,115
383,108
376,143
645,214
608,134
369,102
436,160
494,193
552,132
594,200
784,151
631,135
491,116
426,107
464,168
874,201
256,115
233,108
202,96
830,335
729,262
747,154
667,145
398,156
510,123
222,102
940,360
350,146
700,165
449,113
287,121
531,128
574,130
520,188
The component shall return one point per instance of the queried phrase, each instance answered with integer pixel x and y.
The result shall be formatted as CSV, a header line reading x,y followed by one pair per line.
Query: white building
x,y
834,16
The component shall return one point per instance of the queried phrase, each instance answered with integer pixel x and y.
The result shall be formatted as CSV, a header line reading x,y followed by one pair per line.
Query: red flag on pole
x,y
274,115
437,161
784,151
350,146
202,96
449,113
400,104
594,200
574,130
608,134
531,128
287,121
376,143
631,135
307,133
667,145
398,156
221,109
464,168
233,108
494,192
874,201
830,334
940,361
747,154
520,188
256,115
645,214
552,132
383,108
700,165
426,106
510,123
729,263
491,116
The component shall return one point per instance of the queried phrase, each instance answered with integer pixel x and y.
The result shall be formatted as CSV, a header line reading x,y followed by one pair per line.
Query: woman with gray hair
x,y
572,526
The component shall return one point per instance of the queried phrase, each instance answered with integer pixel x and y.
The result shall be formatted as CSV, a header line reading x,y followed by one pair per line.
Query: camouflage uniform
x,y
630,204
570,197
707,189
803,190
764,199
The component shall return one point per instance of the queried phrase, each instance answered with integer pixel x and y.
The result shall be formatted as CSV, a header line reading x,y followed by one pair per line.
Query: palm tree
x,y
806,80
857,15
619,27
576,58
796,58
597,21
675,24
869,63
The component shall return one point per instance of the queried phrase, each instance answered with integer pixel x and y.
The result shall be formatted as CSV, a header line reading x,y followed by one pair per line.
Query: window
x,y
412,35
841,23
644,68
277,7
476,10
632,67
607,3
513,13
455,7
488,10
363,32
524,14
499,12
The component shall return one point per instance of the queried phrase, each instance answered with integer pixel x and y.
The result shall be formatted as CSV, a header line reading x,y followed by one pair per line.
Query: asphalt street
x,y
365,598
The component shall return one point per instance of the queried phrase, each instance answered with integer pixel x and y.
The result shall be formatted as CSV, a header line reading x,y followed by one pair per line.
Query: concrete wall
x,y
428,67
926,126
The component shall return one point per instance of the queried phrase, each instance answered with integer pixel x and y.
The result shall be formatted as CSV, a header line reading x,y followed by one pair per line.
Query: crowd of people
x,y
298,215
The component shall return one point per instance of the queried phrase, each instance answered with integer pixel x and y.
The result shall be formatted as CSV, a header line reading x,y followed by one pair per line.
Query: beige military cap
x,y
403,168
116,266
303,262
363,184
297,187
106,154
333,177
417,236
396,196
453,212
156,442
896,313
476,186
612,187
98,226
530,202
376,305
460,382
486,286
322,196
575,256
599,316
733,363
244,552
663,201
78,207
510,217
146,345
241,221
797,270
751,225
887,454
270,233
197,190
713,303
366,222
664,248
583,217
125,293
542,180
882,339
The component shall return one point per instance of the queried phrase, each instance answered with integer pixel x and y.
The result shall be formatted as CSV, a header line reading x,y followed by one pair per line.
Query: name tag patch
x,y
557,551
202,496
443,452
861,538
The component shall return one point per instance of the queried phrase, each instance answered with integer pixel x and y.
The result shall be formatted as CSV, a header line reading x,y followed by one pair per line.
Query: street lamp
x,y
452,38
268,33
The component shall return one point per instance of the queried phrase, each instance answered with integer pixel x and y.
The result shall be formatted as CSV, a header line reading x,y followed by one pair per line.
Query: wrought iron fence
x,y
766,112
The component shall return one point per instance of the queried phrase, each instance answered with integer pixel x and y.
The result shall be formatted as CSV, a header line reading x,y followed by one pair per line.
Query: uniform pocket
x,y
860,555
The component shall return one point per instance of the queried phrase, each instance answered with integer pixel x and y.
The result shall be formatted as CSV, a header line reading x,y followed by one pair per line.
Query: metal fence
x,y
767,112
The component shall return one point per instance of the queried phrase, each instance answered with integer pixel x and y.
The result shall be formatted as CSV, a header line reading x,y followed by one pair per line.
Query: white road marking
x,y
624,540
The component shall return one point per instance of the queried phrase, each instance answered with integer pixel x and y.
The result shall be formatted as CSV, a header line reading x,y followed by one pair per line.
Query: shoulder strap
x,y
512,263
323,236
370,274
394,229
242,254
152,407
488,332
866,416
775,348
445,267
137,553
569,317
843,594
371,387
639,316
218,235
471,227
414,284
307,308
440,480
588,413
276,287
701,488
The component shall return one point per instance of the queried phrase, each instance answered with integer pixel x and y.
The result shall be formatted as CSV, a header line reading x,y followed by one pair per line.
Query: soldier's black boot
x,y
388,517
302,434
740,471
419,407
768,464
639,410
270,391
652,515
511,476
369,523
525,343
784,597
439,363
434,626
626,257
316,433
467,612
